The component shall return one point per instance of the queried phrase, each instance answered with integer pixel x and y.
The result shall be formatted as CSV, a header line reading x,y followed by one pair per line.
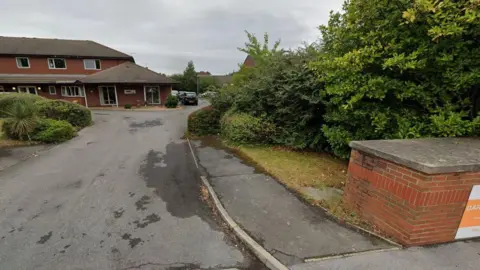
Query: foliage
x,y
282,90
257,50
6,100
21,119
127,106
205,121
207,83
53,131
171,102
401,69
243,128
190,78
75,114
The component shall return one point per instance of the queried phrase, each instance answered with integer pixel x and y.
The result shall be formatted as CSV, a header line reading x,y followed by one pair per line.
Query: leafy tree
x,y
400,69
178,78
190,78
206,82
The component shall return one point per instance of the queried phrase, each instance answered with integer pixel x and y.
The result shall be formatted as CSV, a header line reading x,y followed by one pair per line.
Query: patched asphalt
x,y
123,195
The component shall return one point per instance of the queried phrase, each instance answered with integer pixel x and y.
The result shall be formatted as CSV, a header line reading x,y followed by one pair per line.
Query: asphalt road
x,y
122,195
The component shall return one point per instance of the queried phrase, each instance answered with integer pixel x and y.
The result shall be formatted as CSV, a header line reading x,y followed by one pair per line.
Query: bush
x,y
53,131
171,101
21,119
246,129
127,106
75,114
205,121
6,100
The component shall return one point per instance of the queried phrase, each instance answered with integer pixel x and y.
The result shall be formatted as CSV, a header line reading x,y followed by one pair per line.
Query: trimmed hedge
x,y
75,114
205,121
246,129
171,101
53,131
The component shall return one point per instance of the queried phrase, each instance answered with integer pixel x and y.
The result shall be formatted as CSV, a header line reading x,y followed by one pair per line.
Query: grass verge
x,y
300,169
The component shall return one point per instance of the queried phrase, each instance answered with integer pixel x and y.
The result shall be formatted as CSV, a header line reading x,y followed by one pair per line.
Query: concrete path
x,y
123,195
459,255
13,155
290,230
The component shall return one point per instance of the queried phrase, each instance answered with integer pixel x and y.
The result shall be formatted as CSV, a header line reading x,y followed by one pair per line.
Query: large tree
x,y
400,69
190,78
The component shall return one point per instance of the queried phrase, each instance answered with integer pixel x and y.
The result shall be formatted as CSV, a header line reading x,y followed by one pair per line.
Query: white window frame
x,y
95,63
28,60
26,87
53,59
54,92
102,98
64,87
159,93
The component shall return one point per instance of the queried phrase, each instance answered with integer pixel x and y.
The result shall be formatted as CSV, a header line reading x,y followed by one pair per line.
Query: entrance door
x,y
152,94
27,89
108,95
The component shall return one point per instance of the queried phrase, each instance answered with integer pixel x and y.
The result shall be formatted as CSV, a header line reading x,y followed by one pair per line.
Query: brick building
x,y
80,71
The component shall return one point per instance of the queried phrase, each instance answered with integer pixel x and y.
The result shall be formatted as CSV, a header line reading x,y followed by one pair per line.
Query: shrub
x,y
6,100
246,129
171,101
75,114
21,119
205,121
53,131
127,106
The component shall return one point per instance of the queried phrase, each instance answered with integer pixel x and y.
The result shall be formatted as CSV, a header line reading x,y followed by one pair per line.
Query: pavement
x,y
286,227
303,237
13,155
124,194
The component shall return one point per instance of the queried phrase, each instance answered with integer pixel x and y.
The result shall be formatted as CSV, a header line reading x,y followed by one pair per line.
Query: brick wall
x,y
412,207
39,65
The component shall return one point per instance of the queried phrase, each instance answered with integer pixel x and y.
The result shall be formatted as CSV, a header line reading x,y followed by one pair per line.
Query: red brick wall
x,y
39,65
93,96
412,207
164,92
136,99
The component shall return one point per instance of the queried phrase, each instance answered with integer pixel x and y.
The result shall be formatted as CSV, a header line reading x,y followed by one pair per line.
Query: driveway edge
x,y
261,253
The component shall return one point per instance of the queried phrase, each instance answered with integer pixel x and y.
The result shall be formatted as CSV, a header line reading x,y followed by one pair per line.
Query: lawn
x,y
298,169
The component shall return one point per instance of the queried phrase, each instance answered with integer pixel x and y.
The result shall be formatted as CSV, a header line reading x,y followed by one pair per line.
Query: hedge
x,y
53,131
205,121
171,101
75,114
246,129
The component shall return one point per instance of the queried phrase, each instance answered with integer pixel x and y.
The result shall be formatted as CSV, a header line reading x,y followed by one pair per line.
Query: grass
x,y
5,142
298,169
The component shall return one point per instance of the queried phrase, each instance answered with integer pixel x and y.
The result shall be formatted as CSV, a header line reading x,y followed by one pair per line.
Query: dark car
x,y
190,98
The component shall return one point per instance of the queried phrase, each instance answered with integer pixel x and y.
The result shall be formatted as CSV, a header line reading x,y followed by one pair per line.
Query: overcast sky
x,y
164,34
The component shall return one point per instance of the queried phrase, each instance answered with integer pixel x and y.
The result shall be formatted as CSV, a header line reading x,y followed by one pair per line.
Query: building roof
x,y
249,61
25,79
127,72
221,80
57,47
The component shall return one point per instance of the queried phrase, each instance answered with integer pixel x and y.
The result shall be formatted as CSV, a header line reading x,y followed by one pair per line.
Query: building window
x,y
72,91
27,89
23,62
57,63
91,64
108,95
52,90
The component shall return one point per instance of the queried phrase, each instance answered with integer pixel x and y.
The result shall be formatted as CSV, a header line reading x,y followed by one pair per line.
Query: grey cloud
x,y
164,35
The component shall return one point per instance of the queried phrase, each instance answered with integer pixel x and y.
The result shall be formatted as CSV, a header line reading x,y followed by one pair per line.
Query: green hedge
x,y
46,130
205,121
75,114
7,99
53,131
246,129
171,101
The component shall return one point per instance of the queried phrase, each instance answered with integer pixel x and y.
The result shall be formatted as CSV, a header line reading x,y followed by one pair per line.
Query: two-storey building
x,y
80,71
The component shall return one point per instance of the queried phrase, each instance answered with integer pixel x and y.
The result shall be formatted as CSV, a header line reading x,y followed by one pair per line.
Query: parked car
x,y
174,93
190,98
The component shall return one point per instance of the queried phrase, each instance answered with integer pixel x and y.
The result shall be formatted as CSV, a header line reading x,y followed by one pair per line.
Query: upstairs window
x,y
91,64
57,63
72,91
23,62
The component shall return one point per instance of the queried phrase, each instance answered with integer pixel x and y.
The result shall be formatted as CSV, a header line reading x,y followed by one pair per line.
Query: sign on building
x,y
470,224
130,91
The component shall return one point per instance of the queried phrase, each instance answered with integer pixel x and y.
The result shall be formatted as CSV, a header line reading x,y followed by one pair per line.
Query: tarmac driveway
x,y
122,195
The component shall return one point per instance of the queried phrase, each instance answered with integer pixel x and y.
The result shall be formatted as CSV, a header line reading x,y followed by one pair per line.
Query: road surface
x,y
124,194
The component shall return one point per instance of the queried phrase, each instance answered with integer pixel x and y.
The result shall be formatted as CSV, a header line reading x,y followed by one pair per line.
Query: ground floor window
x,y
27,89
72,91
52,90
152,94
108,95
